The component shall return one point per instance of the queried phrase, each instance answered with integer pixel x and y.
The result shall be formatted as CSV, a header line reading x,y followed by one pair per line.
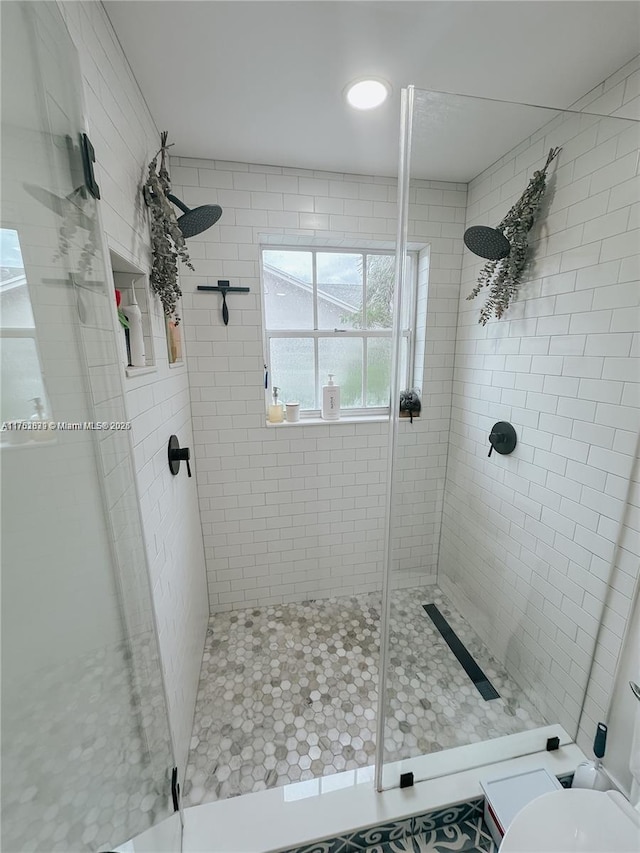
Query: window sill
x,y
346,419
140,371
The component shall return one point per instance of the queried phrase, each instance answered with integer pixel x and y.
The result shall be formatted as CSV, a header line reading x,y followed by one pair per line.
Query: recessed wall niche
x,y
133,284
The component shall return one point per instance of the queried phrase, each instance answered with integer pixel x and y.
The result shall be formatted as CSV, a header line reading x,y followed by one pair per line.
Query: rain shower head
x,y
487,242
195,221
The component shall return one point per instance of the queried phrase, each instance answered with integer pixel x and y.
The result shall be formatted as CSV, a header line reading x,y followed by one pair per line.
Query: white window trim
x,y
411,300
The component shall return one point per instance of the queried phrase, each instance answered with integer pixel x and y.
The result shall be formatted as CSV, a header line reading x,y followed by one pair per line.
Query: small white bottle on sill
x,y
331,400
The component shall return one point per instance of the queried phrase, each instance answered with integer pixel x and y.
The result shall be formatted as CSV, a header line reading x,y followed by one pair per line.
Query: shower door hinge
x,y
175,789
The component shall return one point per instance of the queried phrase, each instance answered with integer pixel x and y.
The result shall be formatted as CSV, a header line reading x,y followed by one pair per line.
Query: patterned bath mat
x,y
455,829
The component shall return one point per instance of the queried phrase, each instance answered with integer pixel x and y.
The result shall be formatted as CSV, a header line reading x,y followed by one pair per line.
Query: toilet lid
x,y
574,821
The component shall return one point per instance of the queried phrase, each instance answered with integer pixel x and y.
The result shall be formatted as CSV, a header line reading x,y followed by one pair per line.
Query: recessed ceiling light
x,y
365,94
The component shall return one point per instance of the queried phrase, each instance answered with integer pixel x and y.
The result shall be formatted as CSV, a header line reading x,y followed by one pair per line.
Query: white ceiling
x,y
262,81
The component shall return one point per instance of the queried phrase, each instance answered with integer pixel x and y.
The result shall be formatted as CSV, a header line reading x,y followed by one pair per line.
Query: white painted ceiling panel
x,y
262,81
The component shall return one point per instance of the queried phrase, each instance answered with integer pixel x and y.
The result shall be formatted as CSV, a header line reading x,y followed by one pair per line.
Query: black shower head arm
x,y
183,207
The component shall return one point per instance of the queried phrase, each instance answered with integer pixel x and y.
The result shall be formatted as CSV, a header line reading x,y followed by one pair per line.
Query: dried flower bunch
x,y
167,242
503,277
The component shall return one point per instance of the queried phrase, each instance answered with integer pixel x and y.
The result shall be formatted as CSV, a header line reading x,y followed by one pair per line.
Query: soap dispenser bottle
x,y
331,400
38,420
276,412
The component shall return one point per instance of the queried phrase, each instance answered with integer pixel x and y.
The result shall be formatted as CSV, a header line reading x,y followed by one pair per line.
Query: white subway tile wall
x,y
531,538
291,513
125,138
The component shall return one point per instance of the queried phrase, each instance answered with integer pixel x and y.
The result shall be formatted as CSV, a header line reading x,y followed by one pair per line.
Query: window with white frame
x,y
331,311
21,379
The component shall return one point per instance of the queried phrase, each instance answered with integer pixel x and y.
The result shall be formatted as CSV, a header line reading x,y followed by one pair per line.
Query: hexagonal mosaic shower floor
x,y
288,692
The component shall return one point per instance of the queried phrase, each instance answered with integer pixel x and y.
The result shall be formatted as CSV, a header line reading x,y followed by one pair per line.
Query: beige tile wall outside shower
x,y
530,539
290,513
125,138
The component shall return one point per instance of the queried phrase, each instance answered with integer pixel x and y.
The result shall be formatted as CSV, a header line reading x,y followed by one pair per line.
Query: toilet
x,y
582,819
577,820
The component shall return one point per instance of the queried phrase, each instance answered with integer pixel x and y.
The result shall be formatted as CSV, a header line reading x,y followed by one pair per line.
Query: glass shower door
x,y
498,566
86,751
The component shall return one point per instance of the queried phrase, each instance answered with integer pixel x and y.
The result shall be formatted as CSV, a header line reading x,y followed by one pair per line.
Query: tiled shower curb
x,y
333,817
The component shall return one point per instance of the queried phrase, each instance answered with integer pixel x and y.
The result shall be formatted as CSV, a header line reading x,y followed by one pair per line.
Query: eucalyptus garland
x,y
167,241
503,276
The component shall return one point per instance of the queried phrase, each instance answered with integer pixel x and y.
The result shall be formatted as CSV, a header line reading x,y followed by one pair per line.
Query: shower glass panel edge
x,y
540,554
404,172
86,746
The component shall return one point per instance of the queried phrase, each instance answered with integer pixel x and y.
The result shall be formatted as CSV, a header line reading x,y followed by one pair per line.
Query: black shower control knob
x,y
502,438
177,454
